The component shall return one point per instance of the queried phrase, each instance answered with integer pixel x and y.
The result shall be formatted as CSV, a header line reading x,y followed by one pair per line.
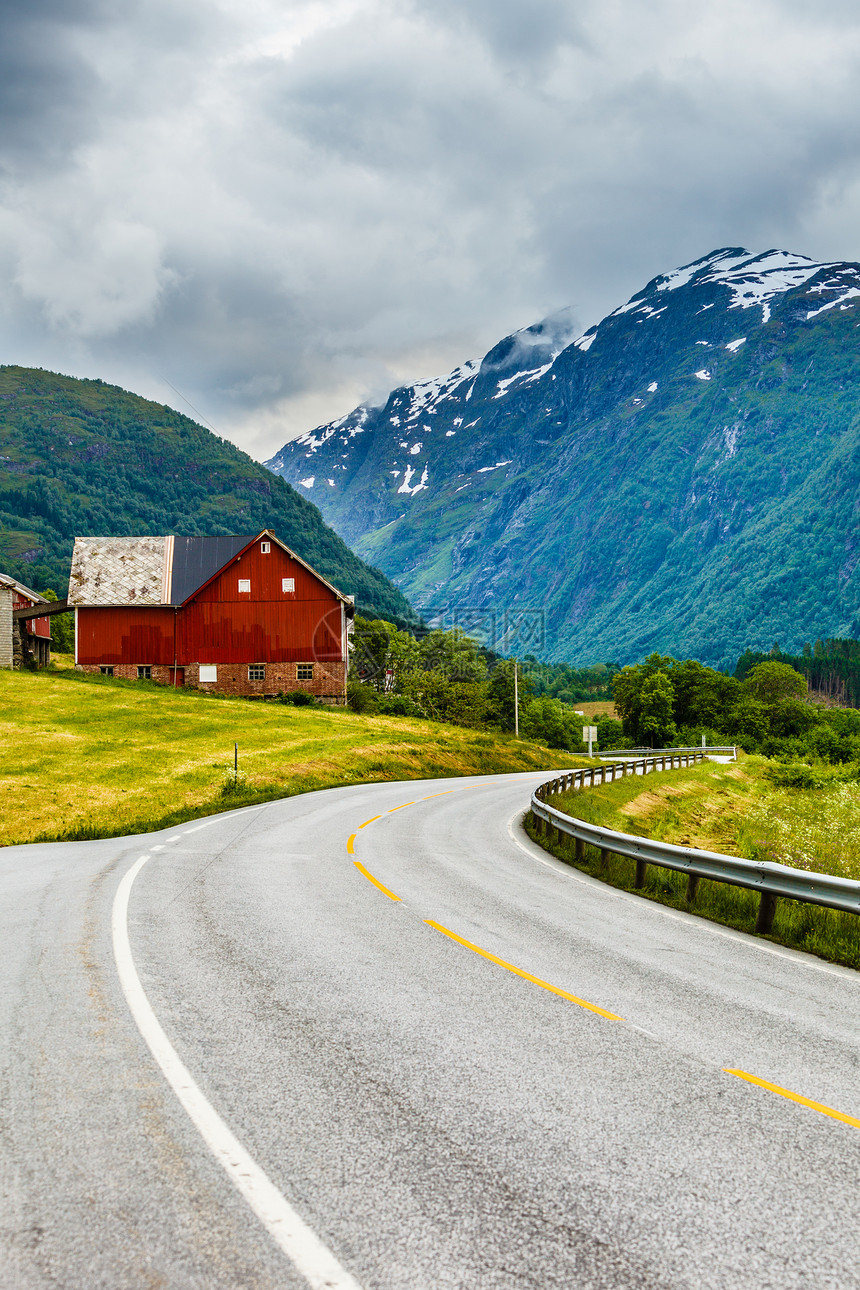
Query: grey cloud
x,y
280,221
45,84
515,32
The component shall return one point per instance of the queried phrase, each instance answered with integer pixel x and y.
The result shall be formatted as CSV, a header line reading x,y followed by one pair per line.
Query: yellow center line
x,y
536,980
564,994
795,1097
445,794
375,881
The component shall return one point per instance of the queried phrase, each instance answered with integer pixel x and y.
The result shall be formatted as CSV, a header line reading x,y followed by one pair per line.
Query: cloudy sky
x,y
272,210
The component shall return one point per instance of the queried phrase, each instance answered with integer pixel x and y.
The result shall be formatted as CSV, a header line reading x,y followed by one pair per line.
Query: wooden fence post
x,y
766,911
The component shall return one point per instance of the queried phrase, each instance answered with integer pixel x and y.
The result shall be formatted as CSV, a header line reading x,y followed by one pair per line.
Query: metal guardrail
x,y
770,879
657,752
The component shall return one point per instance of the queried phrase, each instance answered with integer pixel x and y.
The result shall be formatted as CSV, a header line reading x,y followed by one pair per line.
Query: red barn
x,y
238,615
22,640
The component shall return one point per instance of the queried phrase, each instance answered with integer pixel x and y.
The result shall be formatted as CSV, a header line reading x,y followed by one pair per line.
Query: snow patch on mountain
x,y
425,394
408,475
753,280
850,294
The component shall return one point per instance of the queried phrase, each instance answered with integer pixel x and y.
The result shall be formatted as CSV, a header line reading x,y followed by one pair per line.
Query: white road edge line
x,y
302,1246
783,952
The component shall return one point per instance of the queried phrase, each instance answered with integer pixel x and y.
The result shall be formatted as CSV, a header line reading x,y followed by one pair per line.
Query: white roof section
x,y
12,584
119,571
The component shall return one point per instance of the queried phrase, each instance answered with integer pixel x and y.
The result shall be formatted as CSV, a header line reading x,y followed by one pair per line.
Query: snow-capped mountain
x,y
627,484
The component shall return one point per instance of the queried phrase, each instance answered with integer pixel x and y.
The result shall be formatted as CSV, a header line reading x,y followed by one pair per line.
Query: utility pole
x,y
516,703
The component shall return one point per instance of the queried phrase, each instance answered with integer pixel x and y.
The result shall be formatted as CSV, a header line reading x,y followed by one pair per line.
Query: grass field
x,y
736,809
596,708
87,757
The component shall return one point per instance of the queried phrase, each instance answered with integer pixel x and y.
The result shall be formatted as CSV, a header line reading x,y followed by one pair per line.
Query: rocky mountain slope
x,y
85,458
683,477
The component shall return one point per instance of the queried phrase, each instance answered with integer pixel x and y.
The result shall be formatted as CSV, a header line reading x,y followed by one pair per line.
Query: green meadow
x,y
90,757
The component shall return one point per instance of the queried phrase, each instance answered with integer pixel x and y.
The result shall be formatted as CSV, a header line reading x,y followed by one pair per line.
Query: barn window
x,y
256,671
288,584
106,671
265,547
208,672
244,584
304,671
144,673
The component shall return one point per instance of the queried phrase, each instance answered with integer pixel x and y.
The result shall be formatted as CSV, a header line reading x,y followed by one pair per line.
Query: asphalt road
x,y
383,1092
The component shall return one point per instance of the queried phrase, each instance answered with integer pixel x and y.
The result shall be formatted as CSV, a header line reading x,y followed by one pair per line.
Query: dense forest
x,y
663,701
765,709
831,668
84,458
448,676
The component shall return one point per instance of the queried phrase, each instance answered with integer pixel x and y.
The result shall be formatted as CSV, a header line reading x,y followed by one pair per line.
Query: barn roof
x,y
158,570
12,584
196,560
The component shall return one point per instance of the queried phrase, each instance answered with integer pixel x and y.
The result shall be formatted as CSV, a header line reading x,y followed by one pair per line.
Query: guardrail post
x,y
692,887
604,858
766,911
641,868
579,850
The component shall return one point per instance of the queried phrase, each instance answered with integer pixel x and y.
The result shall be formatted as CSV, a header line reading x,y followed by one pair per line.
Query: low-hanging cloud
x,y
282,213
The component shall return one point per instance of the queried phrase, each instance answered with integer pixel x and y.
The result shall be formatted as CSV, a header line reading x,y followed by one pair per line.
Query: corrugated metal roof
x,y
197,559
118,571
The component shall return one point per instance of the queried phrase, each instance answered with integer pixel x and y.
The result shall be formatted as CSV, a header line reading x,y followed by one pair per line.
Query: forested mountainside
x,y
84,458
683,477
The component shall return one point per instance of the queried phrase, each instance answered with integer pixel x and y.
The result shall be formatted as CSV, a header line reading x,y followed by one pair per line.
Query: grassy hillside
x,y
97,757
85,458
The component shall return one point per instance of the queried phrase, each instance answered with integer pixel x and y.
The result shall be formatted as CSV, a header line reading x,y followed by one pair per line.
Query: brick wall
x,y
328,683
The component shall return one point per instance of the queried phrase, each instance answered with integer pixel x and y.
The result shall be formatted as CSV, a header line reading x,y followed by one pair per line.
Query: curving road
x,y
302,1045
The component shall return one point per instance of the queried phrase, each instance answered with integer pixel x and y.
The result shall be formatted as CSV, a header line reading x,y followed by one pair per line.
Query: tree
x,y
382,656
748,719
702,696
454,654
551,722
627,686
656,722
773,682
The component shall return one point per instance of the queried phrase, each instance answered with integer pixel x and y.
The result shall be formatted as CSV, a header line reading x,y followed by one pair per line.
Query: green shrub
x,y
299,698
